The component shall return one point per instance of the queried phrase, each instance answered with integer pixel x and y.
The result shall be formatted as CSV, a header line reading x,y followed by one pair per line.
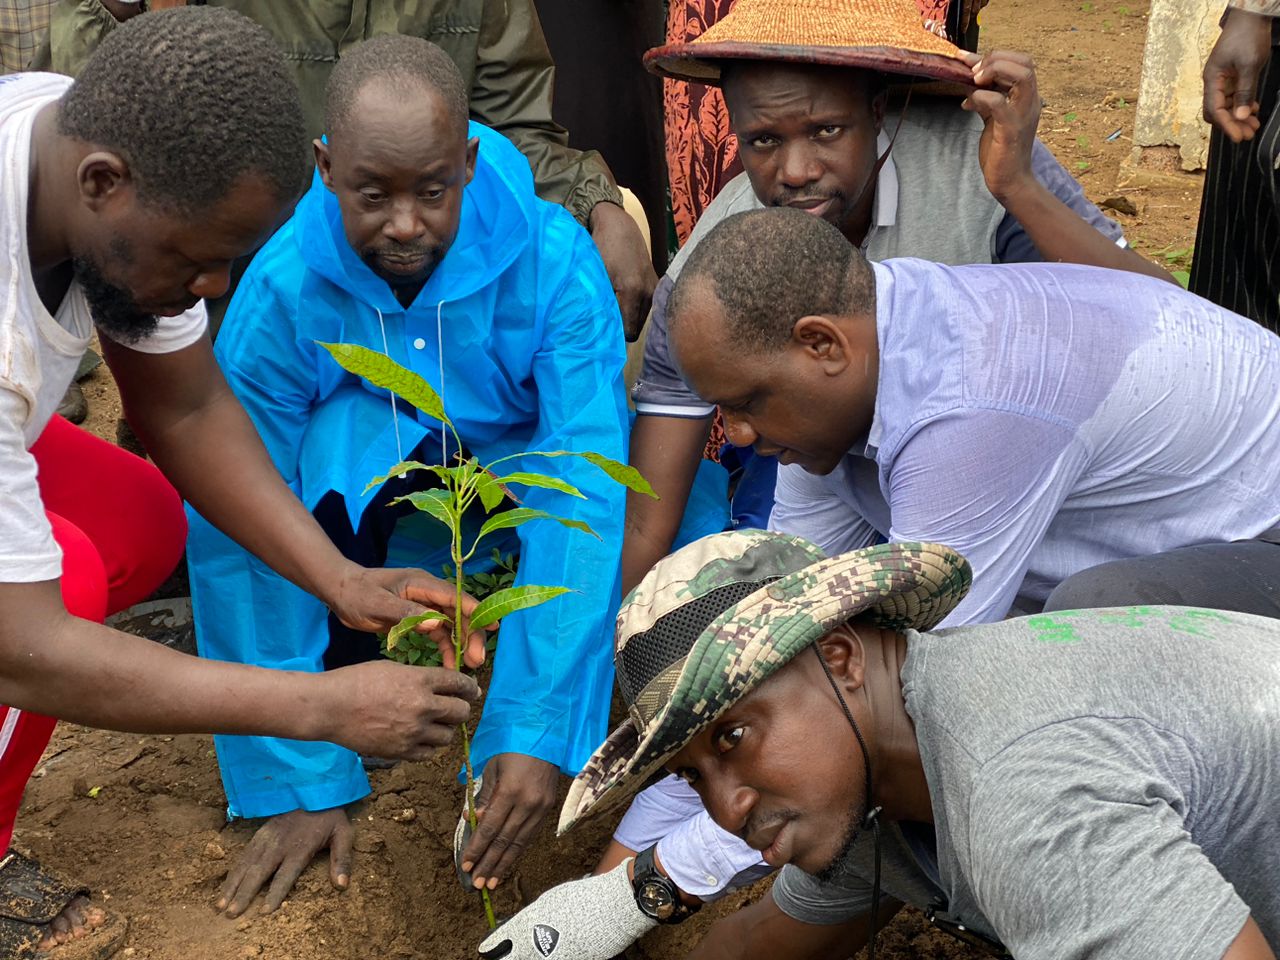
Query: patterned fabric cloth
x,y
22,28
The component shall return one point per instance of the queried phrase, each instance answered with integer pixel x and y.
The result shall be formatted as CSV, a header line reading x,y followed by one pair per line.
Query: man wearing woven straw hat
x,y
804,698
803,82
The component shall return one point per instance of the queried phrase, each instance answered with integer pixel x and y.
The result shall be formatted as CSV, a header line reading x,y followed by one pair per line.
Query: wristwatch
x,y
656,895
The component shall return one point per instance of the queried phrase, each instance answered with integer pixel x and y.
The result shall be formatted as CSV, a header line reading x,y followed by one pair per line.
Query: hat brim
x,y
902,586
701,62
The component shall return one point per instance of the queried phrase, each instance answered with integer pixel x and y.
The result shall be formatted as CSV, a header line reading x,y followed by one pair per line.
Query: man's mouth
x,y
170,309
817,206
400,263
775,848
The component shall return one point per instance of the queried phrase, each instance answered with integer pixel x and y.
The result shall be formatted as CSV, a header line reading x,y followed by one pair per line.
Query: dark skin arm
x,y
120,682
627,261
1250,944
1231,74
667,451
1008,101
201,438
762,932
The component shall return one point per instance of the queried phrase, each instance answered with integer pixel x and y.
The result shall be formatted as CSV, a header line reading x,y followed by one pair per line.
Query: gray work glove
x,y
594,918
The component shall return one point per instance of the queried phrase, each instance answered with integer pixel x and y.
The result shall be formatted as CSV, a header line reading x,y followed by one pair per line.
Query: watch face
x,y
656,900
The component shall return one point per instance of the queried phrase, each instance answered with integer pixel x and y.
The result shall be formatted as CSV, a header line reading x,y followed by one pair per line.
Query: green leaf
x,y
628,476
398,471
93,792
498,605
1071,117
521,515
1183,277
1082,165
542,480
382,371
438,503
407,625
491,493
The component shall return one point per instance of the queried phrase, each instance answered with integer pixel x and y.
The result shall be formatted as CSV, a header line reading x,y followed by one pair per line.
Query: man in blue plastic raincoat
x,y
421,237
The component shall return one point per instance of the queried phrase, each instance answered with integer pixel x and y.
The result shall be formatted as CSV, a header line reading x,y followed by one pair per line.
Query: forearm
x,y
667,451
76,670
762,931
213,455
1062,236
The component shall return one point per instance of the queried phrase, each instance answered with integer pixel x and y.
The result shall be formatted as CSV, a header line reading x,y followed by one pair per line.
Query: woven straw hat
x,y
884,35
711,622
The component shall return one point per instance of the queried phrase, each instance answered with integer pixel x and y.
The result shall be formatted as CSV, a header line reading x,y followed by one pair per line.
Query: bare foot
x,y
77,919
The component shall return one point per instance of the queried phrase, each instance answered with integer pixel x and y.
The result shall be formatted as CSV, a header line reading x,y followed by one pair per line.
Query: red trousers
x,y
122,530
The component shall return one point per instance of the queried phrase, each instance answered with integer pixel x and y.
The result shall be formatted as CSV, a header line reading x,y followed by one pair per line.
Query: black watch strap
x,y
657,896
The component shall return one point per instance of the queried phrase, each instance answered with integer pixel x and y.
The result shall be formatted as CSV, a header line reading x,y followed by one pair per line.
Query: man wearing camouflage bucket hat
x,y
1095,816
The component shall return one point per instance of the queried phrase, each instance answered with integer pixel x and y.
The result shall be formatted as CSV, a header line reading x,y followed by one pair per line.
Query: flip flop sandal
x,y
30,898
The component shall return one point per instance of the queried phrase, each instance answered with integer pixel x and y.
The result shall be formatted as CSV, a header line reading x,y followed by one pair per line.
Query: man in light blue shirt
x,y
1041,419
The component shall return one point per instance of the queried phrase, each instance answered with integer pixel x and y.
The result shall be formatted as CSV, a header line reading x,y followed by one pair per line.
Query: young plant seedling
x,y
463,483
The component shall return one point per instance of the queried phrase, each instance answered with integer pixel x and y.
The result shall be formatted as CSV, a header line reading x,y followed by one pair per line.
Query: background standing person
x,y
117,215
24,25
1236,263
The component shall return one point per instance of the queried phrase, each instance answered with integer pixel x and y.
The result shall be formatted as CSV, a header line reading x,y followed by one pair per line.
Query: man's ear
x,y
473,149
324,163
845,656
822,338
878,104
103,178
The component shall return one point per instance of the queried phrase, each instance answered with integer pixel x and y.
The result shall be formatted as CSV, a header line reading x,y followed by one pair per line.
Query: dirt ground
x,y
140,819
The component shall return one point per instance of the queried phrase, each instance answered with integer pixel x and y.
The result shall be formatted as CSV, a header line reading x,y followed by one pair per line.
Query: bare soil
x,y
141,819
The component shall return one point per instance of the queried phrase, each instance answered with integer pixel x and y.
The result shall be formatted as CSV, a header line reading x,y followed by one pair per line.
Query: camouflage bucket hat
x,y
714,620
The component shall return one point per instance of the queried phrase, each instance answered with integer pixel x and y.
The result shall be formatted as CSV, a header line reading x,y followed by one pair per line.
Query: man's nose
x,y
798,166
404,225
729,802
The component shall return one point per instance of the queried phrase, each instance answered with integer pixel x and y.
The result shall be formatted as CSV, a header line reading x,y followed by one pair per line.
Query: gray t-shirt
x,y
1105,784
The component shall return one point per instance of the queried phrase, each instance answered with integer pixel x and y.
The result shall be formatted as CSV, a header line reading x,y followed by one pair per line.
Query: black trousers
x,y
1237,254
1243,577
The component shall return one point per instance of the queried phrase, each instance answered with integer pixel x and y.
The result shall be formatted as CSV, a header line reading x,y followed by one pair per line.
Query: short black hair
x,y
193,99
399,58
768,268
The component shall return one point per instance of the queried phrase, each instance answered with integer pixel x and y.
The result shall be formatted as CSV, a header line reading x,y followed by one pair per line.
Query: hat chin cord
x,y
871,816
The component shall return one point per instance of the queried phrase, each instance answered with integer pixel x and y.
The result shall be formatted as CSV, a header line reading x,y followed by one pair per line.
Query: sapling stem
x,y
459,645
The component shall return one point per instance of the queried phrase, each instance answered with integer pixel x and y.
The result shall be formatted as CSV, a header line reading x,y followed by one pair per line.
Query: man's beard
x,y
433,254
852,831
113,309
